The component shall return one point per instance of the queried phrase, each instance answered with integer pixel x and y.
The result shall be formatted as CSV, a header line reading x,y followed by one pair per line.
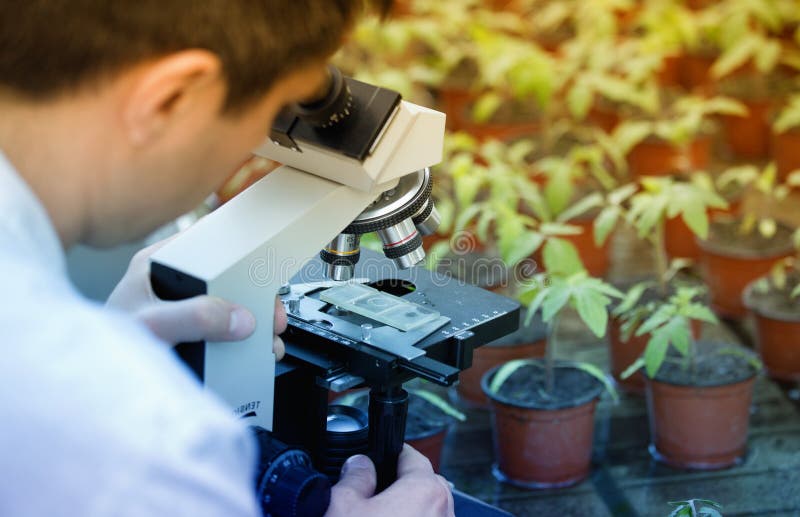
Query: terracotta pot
x,y
699,427
537,448
669,75
727,275
748,137
679,241
786,152
623,353
655,157
603,117
430,445
487,357
777,338
595,259
695,73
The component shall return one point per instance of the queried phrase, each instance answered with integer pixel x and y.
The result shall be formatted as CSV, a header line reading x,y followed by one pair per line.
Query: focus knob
x,y
287,484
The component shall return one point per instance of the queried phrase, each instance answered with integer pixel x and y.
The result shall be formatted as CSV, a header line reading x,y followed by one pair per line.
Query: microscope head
x,y
367,138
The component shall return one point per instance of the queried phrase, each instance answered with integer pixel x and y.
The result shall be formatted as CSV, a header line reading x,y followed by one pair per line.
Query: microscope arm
x,y
243,252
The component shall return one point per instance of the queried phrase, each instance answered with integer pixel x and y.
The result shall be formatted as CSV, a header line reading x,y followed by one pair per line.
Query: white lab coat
x,y
97,417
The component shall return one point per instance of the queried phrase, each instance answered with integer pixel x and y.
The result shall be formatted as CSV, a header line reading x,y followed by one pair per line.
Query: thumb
x,y
202,318
358,476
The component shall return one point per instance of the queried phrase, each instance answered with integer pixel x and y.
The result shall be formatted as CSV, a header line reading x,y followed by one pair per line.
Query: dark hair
x,y
49,47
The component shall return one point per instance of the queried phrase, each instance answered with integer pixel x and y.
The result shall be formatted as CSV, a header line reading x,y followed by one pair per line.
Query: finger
x,y
278,348
281,319
358,476
451,504
202,318
141,258
412,462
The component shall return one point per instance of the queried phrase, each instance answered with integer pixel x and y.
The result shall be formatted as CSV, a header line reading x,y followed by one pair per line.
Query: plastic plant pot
x,y
777,336
430,444
542,448
699,427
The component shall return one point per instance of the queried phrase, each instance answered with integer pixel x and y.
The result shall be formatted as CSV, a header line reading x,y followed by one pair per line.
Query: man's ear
x,y
166,88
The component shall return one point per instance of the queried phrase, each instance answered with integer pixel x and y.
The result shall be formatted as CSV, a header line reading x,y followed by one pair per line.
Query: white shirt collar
x,y
25,227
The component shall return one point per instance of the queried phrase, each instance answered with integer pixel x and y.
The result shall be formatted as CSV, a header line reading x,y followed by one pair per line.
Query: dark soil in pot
x,y
777,326
699,415
543,440
527,342
729,261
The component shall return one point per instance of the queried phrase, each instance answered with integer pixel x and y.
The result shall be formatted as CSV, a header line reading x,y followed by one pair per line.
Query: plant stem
x,y
550,356
661,257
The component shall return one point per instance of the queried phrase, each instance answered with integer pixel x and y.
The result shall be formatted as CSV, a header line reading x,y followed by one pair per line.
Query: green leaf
x,y
655,353
559,229
592,309
604,223
556,299
579,100
600,375
658,318
632,297
558,192
735,56
633,368
696,218
440,403
505,371
789,117
750,357
618,196
523,247
467,187
629,134
535,303
700,312
561,258
486,106
593,200
677,331
795,292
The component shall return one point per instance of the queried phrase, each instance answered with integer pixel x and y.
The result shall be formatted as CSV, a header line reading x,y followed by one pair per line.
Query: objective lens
x,y
402,243
341,255
427,219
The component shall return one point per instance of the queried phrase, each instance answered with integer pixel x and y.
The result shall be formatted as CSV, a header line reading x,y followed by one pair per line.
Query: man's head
x,y
166,97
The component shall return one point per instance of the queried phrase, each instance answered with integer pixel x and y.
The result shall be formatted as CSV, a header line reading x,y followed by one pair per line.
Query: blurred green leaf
x,y
486,106
592,309
604,223
655,353
561,258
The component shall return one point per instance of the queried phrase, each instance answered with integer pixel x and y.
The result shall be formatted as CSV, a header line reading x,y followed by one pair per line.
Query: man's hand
x,y
202,318
418,492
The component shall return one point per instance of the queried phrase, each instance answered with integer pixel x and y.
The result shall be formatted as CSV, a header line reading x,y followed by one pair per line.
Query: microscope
x,y
355,161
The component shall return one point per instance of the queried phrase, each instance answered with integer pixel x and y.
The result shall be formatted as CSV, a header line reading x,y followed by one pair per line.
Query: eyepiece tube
x,y
330,105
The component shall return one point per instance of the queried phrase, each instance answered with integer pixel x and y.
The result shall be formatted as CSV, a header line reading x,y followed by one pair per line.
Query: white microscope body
x,y
251,246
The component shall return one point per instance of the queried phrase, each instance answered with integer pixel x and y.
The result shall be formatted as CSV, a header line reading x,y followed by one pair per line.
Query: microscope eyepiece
x,y
332,104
